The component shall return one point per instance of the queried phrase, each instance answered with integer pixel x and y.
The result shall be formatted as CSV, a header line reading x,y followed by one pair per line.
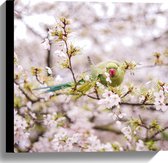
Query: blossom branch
x,y
67,51
152,66
158,132
37,78
26,94
138,104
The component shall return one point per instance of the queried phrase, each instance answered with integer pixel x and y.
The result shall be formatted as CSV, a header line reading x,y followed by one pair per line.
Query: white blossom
x,y
127,132
86,77
29,104
42,145
141,98
161,107
159,97
65,140
159,101
60,54
19,122
46,44
122,115
20,67
118,123
140,146
101,86
113,115
109,99
107,147
165,89
21,136
49,71
108,77
125,89
51,120
94,144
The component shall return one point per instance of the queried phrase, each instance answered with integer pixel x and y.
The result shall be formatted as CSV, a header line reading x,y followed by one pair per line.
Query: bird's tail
x,y
56,87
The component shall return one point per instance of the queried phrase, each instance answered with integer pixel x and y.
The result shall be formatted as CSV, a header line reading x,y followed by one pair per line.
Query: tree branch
x,y
67,51
107,128
138,104
152,66
158,132
26,94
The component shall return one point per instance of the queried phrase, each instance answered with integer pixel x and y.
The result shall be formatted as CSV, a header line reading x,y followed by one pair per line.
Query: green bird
x,y
110,73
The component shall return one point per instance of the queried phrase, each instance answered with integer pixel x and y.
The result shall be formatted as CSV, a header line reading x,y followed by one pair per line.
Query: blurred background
x,y
103,31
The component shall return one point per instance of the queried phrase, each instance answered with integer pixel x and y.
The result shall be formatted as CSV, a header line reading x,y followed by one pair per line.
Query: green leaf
x,y
151,145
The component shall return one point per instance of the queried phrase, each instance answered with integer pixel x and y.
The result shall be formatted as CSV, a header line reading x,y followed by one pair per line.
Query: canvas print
x,y
90,76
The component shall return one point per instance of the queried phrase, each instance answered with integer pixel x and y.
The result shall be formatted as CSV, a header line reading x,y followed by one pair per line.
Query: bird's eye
x,y
112,72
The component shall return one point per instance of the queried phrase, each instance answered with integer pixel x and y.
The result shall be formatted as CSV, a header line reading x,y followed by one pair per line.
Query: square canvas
x,y
90,76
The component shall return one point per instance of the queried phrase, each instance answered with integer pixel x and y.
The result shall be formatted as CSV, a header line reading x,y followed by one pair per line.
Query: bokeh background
x,y
104,31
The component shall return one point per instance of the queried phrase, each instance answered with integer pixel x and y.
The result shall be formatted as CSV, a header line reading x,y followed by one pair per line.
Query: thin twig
x,y
96,92
67,51
138,104
158,132
129,91
26,94
37,78
151,66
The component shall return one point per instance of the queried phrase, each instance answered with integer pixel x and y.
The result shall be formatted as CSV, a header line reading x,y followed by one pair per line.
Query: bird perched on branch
x,y
109,73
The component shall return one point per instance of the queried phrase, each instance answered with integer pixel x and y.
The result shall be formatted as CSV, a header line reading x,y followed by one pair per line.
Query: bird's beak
x,y
112,72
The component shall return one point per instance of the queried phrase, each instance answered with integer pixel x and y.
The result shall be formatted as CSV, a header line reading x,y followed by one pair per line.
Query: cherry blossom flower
x,y
20,67
140,146
86,77
42,145
107,147
118,123
19,122
165,89
101,86
51,120
159,101
46,44
21,136
109,99
49,71
29,104
65,141
60,54
159,97
125,89
141,98
107,77
127,132
161,107
122,115
113,115
94,144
